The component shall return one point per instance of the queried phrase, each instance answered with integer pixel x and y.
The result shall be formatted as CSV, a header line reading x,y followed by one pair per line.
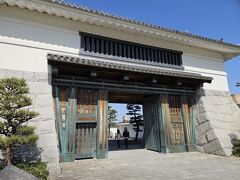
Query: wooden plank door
x,y
152,124
85,140
86,124
65,112
188,119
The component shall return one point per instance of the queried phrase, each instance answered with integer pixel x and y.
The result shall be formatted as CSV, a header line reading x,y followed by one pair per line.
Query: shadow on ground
x,y
112,145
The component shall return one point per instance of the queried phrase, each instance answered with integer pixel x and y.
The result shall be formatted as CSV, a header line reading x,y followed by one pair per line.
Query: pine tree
x,y
13,117
112,115
135,117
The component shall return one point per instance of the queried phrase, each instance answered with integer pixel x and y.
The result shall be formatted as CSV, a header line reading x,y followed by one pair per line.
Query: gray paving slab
x,y
144,164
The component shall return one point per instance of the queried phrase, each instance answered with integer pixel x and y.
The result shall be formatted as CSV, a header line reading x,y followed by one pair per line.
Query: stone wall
x,y
41,94
217,122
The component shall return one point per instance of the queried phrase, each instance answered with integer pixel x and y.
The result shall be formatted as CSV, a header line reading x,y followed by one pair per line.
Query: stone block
x,y
200,149
225,93
225,109
13,73
202,118
201,109
225,137
227,118
208,92
216,93
47,140
45,127
210,136
50,155
212,147
227,151
41,77
29,76
209,107
220,152
201,140
224,100
46,112
203,128
216,100
44,100
40,88
14,173
222,125
236,111
214,116
54,170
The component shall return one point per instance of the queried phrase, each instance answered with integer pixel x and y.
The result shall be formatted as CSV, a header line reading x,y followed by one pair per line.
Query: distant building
x,y
236,99
125,119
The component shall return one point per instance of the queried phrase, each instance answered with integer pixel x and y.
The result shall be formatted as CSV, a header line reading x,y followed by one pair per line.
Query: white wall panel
x,y
207,67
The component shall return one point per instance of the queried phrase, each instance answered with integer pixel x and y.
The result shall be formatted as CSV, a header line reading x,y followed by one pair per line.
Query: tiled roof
x,y
187,34
126,67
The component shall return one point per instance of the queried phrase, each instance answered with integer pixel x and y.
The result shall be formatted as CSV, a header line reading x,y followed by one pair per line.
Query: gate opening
x,y
116,139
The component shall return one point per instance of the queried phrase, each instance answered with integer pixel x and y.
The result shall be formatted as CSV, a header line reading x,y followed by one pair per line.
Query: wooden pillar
x,y
166,132
188,122
102,135
65,121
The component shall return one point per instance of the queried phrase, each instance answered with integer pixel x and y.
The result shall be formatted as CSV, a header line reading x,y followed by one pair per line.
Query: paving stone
x,y
144,164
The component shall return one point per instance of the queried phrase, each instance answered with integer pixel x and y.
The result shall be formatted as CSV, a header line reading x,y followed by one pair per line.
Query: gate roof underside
x,y
55,58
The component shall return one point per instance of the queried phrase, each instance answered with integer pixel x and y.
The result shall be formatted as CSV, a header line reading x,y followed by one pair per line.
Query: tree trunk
x,y
8,156
137,130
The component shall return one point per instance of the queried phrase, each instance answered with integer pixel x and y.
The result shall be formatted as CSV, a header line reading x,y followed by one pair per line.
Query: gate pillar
x,y
102,135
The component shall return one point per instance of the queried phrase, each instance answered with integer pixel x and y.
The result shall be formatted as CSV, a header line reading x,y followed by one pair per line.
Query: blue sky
x,y
211,18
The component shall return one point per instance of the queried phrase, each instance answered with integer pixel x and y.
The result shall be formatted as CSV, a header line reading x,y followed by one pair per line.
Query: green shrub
x,y
38,169
236,148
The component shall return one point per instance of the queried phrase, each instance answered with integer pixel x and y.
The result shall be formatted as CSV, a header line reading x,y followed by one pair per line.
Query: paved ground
x,y
144,164
112,145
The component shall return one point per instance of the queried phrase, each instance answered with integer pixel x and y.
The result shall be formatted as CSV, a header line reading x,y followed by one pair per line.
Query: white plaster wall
x,y
207,67
24,45
29,43
113,132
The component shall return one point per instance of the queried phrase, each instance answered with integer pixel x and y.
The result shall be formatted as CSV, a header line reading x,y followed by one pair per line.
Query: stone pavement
x,y
144,164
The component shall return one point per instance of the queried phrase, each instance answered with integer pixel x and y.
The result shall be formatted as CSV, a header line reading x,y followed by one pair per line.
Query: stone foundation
x,y
42,102
217,122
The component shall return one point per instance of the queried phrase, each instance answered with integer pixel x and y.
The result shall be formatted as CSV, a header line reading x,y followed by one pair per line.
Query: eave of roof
x,y
99,12
91,16
125,67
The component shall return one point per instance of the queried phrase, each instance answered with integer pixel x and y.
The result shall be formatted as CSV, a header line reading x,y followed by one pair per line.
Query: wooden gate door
x,y
177,116
168,123
86,124
81,122
152,123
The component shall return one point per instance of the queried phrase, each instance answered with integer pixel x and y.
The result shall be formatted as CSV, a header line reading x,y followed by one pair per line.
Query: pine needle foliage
x,y
13,116
236,148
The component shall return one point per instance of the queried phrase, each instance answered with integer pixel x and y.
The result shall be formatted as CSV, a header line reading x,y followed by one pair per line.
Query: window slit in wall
x,y
123,49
